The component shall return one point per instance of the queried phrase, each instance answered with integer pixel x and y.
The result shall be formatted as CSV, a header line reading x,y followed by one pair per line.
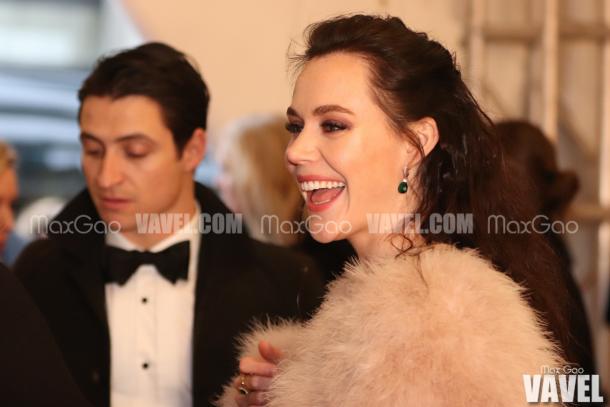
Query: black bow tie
x,y
172,263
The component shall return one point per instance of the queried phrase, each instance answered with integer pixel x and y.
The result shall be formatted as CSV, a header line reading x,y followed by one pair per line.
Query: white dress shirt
x,y
151,330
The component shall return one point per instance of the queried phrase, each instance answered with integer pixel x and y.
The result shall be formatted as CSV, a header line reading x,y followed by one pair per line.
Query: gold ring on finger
x,y
243,389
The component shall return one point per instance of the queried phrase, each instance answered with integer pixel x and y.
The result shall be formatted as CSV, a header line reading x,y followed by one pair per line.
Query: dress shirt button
x,y
145,365
95,376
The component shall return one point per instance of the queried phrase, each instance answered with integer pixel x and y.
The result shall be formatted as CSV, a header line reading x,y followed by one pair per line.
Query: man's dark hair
x,y
161,73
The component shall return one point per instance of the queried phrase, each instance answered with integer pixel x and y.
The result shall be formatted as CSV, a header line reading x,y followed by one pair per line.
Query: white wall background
x,y
241,46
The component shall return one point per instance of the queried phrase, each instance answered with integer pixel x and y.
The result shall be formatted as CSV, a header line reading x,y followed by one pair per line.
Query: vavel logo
x,y
565,385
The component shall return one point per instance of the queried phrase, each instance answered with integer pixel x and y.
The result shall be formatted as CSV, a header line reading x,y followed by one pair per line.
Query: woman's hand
x,y
256,374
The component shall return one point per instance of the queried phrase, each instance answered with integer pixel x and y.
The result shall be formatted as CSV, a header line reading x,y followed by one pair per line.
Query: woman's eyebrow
x,y
320,110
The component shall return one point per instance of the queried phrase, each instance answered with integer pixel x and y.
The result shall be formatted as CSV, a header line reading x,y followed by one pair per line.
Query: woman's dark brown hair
x,y
413,77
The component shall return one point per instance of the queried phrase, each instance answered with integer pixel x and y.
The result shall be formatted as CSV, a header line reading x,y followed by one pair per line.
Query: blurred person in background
x,y
32,370
250,153
10,244
33,219
254,181
551,191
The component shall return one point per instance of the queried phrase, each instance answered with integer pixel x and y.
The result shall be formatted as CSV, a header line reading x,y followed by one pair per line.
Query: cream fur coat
x,y
440,329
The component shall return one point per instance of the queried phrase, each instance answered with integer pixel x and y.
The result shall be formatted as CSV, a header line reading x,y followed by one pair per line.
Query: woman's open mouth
x,y
319,195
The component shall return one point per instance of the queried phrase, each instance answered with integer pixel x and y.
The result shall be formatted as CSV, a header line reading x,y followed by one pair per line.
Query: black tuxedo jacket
x,y
238,280
32,371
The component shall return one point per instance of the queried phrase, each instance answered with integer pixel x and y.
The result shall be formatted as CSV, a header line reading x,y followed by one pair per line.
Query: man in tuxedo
x,y
144,295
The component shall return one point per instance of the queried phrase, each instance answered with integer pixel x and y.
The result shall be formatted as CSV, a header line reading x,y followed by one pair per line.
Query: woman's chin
x,y
323,236
328,229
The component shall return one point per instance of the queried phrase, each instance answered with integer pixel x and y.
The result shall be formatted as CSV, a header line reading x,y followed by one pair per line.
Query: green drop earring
x,y
403,187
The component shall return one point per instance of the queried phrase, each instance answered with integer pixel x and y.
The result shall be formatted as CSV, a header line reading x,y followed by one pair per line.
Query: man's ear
x,y
426,132
194,150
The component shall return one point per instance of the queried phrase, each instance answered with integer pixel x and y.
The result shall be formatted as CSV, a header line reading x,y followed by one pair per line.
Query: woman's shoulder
x,y
442,288
439,276
444,299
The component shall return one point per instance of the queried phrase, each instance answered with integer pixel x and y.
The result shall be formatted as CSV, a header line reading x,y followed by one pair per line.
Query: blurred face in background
x,y
225,181
9,191
131,163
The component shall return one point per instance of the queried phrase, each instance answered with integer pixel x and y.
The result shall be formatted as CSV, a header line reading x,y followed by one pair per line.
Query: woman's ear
x,y
194,150
426,133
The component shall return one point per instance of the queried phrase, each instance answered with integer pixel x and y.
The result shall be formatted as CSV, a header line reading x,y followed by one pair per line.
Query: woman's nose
x,y
301,149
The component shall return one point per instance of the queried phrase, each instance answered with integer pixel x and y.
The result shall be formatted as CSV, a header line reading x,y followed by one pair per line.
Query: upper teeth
x,y
312,185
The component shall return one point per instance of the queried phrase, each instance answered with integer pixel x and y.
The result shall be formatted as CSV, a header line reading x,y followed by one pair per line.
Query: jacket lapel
x,y
85,252
221,259
90,281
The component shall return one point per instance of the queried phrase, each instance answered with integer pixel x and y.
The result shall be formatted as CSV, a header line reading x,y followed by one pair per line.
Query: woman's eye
x,y
331,126
294,128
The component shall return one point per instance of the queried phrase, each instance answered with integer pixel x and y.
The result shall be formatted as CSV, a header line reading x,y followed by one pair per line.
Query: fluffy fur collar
x,y
443,328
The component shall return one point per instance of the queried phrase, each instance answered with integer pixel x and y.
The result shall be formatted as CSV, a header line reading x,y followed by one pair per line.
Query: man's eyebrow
x,y
88,136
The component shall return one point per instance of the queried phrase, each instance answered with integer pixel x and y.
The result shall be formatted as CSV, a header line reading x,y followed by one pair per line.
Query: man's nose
x,y
111,172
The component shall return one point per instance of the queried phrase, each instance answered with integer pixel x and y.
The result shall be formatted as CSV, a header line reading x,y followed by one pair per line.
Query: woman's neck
x,y
373,246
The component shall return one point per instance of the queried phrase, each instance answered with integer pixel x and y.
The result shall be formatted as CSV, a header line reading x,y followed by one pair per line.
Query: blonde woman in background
x,y
254,181
248,153
9,191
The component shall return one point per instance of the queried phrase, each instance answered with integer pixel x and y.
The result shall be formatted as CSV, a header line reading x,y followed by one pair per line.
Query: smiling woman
x,y
382,123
